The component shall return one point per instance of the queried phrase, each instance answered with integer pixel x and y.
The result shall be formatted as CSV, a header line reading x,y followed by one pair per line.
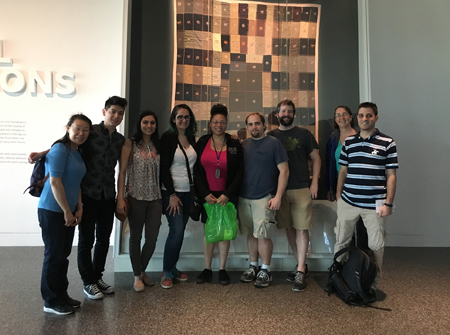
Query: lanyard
x,y
217,156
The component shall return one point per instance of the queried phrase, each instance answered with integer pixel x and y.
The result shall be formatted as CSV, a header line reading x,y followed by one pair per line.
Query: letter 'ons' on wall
x,y
14,82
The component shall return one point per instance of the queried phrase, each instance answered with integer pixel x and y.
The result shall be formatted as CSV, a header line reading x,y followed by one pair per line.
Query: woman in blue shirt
x,y
59,211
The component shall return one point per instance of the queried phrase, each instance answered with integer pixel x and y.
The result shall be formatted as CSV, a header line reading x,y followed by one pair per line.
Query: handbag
x,y
123,217
195,207
221,224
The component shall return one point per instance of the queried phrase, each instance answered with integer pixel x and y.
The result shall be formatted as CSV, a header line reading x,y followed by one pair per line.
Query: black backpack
x,y
38,178
352,280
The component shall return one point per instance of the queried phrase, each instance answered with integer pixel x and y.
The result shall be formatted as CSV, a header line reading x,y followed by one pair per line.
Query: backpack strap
x,y
343,251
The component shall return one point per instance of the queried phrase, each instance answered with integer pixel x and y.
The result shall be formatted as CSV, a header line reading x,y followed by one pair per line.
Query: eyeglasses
x,y
222,123
181,117
338,116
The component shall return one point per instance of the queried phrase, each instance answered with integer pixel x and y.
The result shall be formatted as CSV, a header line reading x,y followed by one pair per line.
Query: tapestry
x,y
248,56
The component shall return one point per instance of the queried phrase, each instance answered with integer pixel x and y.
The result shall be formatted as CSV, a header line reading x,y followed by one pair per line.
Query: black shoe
x,y
372,296
299,284
291,275
205,276
71,302
224,279
62,309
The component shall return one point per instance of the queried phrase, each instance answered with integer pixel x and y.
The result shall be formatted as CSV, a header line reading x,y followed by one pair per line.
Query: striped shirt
x,y
367,161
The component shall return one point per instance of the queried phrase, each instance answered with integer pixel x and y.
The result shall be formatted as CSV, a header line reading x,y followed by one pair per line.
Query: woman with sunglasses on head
x,y
59,211
177,153
343,124
218,175
140,167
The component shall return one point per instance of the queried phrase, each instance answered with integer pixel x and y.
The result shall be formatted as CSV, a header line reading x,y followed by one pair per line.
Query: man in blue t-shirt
x,y
266,173
366,184
295,214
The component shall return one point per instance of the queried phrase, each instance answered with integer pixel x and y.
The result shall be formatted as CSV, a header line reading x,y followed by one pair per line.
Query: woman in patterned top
x,y
140,166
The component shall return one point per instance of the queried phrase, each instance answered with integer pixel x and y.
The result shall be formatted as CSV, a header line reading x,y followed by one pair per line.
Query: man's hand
x,y
384,211
33,157
78,215
274,203
121,206
314,189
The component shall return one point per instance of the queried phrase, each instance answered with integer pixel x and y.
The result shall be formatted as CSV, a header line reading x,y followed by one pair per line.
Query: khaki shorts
x,y
295,210
255,217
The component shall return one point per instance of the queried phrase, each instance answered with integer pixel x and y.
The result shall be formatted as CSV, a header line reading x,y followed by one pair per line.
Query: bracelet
x,y
172,195
389,205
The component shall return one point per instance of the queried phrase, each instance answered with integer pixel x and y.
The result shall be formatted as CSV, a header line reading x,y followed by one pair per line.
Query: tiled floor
x,y
416,282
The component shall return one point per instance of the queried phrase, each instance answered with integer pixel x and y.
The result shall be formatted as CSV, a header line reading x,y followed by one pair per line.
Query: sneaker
x,y
71,302
224,279
249,275
263,278
291,275
93,292
180,276
105,288
299,284
205,276
166,282
63,309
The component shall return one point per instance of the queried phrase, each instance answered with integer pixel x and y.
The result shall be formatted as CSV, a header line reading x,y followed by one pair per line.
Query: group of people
x,y
267,177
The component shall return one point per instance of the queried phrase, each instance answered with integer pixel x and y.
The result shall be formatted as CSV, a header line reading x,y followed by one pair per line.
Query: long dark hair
x,y
66,139
191,130
137,136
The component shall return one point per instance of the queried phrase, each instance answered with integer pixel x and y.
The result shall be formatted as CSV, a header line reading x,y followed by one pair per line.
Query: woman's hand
x,y
121,206
210,199
331,197
69,219
174,205
223,199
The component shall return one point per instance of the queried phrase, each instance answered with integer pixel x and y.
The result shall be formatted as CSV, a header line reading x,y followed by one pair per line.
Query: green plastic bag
x,y
221,224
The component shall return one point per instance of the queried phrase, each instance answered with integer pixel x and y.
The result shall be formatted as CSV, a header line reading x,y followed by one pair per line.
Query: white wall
x,y
83,37
409,45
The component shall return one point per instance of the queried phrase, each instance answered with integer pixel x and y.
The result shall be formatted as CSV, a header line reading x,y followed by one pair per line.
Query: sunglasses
x,y
181,117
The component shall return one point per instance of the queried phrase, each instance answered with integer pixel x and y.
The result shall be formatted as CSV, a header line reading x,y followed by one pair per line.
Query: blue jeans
x,y
177,225
58,244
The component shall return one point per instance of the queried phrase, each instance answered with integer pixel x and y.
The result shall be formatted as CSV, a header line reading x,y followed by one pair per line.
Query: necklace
x,y
217,175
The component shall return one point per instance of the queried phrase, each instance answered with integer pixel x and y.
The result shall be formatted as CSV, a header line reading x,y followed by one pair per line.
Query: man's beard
x,y
285,122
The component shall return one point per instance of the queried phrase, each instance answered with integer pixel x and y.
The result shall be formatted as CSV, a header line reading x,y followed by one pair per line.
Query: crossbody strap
x,y
187,163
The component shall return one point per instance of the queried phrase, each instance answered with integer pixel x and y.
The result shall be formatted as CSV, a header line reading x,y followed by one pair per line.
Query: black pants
x,y
58,241
96,226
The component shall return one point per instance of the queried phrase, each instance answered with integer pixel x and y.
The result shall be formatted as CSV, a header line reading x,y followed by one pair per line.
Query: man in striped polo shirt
x,y
366,184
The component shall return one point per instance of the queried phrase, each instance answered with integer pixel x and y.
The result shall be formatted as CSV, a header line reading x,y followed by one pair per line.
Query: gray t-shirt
x,y
299,143
261,159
